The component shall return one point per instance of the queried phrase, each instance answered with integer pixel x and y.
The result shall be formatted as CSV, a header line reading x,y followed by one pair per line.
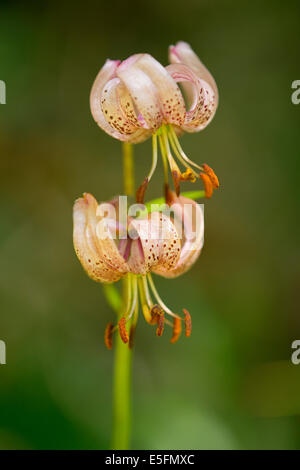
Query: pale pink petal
x,y
143,93
171,100
193,238
112,109
136,260
159,242
107,73
184,54
199,94
100,258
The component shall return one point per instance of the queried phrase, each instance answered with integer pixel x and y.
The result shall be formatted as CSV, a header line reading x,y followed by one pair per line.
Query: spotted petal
x,y
99,257
182,53
198,84
108,112
121,118
193,235
143,92
158,244
170,97
200,97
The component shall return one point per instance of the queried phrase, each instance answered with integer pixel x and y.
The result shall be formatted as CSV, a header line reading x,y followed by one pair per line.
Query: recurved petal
x,y
171,100
184,54
124,123
106,73
105,120
199,95
100,258
158,243
143,92
191,215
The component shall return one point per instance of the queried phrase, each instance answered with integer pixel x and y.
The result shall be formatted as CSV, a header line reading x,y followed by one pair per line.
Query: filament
x,y
180,157
146,304
135,298
154,156
159,300
174,137
173,164
146,291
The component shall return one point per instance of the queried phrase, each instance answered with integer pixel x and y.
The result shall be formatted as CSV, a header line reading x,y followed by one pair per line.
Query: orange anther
x,y
108,335
158,317
212,175
160,324
123,331
176,330
208,186
187,323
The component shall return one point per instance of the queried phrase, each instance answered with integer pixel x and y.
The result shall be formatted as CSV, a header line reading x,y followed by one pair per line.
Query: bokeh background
x,y
232,384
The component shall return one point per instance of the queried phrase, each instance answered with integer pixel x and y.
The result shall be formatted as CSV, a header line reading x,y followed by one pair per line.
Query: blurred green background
x,y
232,384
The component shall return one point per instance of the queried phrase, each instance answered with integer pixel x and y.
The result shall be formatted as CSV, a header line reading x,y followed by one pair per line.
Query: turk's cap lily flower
x,y
131,100
154,245
107,259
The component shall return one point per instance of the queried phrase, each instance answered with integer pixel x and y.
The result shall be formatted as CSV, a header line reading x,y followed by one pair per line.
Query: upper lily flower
x,y
137,98
131,100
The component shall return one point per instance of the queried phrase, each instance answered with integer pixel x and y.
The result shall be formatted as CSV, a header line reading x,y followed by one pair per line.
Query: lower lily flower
x,y
153,245
137,98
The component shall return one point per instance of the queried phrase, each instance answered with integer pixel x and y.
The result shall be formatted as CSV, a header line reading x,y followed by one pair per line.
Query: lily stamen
x,y
176,330
212,176
123,331
187,323
160,324
179,151
159,300
208,186
167,136
133,326
146,304
135,298
184,160
108,335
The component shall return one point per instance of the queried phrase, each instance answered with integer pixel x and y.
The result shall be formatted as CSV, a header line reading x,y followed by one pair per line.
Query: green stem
x,y
123,355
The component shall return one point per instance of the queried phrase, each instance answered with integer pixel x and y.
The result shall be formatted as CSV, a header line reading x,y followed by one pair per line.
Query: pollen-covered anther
x,y
108,335
208,186
158,317
212,176
176,330
123,331
188,175
187,323
160,324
